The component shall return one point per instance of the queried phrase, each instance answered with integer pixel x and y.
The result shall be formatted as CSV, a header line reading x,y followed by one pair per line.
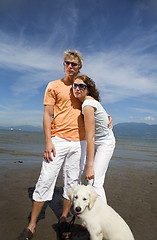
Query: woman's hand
x,y
90,173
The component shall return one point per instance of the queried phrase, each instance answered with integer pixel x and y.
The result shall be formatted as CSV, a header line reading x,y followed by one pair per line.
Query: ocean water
x,y
21,147
135,149
26,148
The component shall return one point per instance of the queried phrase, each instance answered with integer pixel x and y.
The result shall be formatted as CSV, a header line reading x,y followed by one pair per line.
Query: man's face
x,y
71,66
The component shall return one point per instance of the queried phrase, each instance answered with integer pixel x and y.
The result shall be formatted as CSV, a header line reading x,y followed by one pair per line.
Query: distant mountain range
x,y
120,129
23,128
135,130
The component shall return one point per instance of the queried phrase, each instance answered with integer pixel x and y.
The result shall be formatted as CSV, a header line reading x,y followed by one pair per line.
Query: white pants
x,y
70,154
103,153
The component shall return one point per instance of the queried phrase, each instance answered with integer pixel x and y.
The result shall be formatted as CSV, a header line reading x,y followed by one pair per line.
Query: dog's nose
x,y
78,209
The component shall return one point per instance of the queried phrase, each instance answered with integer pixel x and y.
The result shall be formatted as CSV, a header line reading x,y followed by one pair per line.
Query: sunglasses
x,y
80,86
73,64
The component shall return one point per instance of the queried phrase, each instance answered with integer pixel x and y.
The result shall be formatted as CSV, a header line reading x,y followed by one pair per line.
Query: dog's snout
x,y
78,209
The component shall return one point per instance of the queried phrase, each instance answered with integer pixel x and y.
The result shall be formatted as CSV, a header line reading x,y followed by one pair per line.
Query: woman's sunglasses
x,y
80,86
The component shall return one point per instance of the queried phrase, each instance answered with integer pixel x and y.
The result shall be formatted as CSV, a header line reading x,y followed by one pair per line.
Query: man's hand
x,y
110,122
49,149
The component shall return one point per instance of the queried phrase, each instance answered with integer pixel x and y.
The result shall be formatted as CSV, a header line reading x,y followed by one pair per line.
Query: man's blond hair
x,y
73,54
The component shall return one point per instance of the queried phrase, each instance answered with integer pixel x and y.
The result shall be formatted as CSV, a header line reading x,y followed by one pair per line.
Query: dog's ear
x,y
71,194
92,196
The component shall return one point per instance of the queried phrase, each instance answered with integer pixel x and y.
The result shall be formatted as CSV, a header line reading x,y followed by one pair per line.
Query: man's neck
x,y
68,79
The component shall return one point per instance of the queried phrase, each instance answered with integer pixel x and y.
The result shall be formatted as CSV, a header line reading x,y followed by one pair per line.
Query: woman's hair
x,y
92,90
73,54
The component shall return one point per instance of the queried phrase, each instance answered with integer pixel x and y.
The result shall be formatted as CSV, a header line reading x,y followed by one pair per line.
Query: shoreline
x,y
130,189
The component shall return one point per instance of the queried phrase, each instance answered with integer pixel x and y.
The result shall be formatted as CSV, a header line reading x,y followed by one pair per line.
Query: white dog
x,y
100,219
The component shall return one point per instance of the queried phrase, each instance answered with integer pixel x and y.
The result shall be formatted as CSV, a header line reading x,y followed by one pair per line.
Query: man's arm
x,y
49,147
110,122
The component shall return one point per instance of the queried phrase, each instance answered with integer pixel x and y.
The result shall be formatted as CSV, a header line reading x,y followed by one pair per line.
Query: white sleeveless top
x,y
101,119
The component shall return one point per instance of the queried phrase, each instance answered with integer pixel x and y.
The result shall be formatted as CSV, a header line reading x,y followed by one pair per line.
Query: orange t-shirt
x,y
67,121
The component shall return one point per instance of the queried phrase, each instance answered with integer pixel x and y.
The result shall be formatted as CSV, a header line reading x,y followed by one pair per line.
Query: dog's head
x,y
82,197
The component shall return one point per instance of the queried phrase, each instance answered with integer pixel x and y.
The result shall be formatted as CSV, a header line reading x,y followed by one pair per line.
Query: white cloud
x,y
125,72
143,110
34,65
143,114
15,117
18,55
149,118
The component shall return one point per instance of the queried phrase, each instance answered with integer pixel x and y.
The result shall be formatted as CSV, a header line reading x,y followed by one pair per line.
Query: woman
x,y
100,139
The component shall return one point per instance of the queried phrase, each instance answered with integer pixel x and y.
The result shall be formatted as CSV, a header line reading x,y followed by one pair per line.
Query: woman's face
x,y
80,90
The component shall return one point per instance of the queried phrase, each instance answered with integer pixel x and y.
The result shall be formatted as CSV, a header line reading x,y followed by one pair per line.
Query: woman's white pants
x,y
103,154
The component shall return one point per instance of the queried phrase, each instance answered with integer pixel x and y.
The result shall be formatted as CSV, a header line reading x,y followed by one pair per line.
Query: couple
x,y
77,115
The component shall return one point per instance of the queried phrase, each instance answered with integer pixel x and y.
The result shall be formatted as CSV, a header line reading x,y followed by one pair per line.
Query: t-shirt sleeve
x,y
91,103
49,98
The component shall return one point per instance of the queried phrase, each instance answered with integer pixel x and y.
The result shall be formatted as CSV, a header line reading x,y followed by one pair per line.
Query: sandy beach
x,y
130,187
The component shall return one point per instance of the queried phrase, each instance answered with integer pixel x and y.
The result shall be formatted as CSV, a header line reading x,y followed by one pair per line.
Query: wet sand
x,y
131,189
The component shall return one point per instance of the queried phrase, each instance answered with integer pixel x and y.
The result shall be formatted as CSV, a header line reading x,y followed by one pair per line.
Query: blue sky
x,y
118,41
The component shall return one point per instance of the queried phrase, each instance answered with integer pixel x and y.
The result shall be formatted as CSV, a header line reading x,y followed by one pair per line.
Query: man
x,y
65,144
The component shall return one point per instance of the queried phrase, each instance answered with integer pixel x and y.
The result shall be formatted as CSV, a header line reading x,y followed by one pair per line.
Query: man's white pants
x,y
70,154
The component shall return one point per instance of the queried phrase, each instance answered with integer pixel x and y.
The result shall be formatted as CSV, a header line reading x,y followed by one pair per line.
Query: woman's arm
x,y
49,148
90,134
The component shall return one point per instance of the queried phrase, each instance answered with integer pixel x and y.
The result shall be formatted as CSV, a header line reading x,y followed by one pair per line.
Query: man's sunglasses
x,y
73,64
80,86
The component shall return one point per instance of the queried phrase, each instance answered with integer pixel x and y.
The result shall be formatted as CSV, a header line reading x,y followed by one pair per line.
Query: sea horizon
x,y
27,148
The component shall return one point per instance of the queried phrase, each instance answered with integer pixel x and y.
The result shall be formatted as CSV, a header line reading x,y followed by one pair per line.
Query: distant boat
x,y
14,129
